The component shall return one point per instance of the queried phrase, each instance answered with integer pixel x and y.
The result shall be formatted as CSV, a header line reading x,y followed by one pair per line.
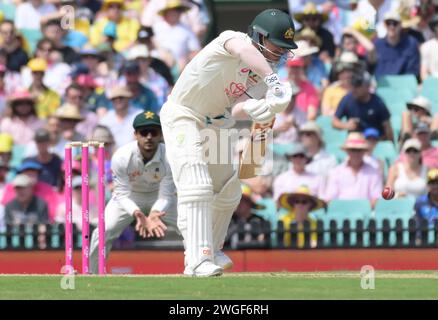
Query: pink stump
x,y
85,212
68,194
101,206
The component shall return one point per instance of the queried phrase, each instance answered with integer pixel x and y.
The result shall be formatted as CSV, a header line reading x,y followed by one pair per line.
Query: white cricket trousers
x,y
208,192
118,219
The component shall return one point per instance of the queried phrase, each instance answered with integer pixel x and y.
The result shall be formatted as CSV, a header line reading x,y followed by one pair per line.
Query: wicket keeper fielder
x,y
234,70
143,187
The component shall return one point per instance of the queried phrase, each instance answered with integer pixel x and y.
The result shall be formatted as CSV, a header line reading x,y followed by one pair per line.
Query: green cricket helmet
x,y
276,26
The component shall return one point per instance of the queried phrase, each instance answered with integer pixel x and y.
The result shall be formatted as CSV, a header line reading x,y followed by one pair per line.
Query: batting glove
x,y
279,94
259,110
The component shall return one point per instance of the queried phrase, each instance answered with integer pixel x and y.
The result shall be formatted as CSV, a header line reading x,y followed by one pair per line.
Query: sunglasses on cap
x,y
392,23
412,150
301,201
299,155
154,132
311,17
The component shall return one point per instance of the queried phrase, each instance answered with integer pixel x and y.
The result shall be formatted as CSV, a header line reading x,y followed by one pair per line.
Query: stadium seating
x,y
401,83
331,135
268,211
402,208
351,210
385,151
429,89
32,37
8,10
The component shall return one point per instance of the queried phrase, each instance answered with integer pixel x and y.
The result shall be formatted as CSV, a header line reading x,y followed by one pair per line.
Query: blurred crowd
x,y
364,114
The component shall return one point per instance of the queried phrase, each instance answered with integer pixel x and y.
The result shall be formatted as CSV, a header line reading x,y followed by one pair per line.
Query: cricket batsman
x,y
234,70
143,187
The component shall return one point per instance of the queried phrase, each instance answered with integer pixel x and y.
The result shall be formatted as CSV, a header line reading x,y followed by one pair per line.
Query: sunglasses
x,y
392,23
301,201
415,109
154,132
307,133
412,150
298,156
311,18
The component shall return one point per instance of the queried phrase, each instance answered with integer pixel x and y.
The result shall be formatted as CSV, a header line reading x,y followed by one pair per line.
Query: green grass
x,y
324,285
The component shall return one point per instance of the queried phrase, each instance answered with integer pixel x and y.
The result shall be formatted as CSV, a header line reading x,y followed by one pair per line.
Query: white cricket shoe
x,y
222,260
205,269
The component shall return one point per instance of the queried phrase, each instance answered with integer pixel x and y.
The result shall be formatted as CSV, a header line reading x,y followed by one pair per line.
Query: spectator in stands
x,y
315,70
321,161
174,36
397,53
94,100
244,221
69,117
373,13
419,110
297,175
57,71
121,116
357,42
53,31
372,135
408,177
126,28
75,95
22,122
41,189
77,205
2,89
93,59
299,204
142,97
6,145
103,134
429,153
426,206
47,100
25,207
16,56
354,178
312,18
4,168
429,59
148,76
343,70
31,14
306,102
161,59
50,162
363,109
285,127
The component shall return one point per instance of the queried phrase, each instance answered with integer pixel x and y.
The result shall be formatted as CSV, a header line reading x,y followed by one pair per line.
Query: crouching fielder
x,y
143,187
219,77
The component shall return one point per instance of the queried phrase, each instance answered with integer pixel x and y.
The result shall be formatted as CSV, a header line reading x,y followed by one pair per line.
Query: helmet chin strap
x,y
272,63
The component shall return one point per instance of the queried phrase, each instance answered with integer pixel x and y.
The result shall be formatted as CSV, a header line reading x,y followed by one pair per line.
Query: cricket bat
x,y
254,151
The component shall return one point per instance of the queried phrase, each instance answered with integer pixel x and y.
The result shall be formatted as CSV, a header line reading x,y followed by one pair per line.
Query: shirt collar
x,y
155,159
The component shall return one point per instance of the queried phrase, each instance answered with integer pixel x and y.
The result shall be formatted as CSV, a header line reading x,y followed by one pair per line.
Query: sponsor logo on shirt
x,y
235,89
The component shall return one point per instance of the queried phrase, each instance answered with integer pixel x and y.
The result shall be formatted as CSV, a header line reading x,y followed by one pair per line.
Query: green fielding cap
x,y
147,118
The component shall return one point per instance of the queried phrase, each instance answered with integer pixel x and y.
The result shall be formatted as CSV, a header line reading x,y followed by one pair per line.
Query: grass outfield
x,y
324,285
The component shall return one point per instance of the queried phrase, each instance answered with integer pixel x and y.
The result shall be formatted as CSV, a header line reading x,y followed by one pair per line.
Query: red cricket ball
x,y
388,193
